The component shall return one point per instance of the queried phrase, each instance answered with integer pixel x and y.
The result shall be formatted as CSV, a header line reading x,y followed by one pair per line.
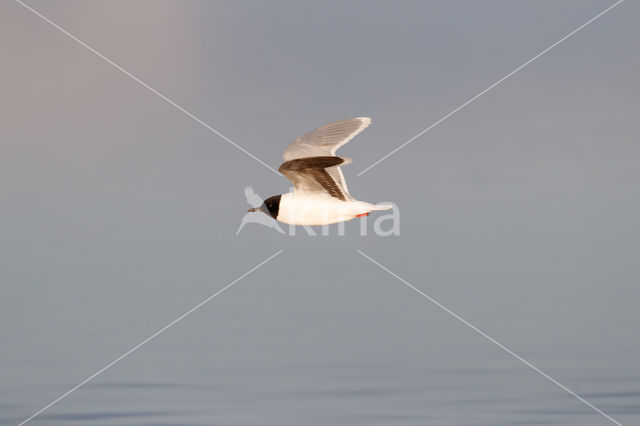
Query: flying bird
x,y
320,195
255,200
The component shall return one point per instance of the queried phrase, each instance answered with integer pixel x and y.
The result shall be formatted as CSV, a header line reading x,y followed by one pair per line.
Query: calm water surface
x,y
291,352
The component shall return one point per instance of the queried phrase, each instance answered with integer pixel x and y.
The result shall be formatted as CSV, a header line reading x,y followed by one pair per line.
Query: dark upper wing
x,y
324,141
310,175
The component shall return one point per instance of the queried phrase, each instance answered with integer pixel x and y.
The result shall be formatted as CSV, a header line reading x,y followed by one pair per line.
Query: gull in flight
x,y
320,195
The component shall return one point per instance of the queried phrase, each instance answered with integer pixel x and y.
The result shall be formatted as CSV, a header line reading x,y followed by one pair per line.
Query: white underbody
x,y
321,209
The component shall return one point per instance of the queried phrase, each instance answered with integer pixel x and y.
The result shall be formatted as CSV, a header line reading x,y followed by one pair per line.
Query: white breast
x,y
318,209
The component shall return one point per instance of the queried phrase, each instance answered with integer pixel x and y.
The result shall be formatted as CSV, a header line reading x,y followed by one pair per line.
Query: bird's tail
x,y
381,207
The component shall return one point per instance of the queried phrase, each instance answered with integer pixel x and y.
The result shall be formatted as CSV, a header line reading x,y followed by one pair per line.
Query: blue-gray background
x,y
520,213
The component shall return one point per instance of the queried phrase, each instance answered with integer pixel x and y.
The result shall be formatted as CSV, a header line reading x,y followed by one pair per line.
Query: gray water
x,y
300,344
520,213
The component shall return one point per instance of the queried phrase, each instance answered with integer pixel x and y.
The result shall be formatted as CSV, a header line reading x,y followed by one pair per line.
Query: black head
x,y
271,206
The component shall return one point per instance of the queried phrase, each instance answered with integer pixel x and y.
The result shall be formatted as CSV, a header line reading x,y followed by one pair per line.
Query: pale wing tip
x,y
365,121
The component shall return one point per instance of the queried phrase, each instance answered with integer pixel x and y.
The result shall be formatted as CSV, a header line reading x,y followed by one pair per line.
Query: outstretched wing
x,y
325,141
252,198
311,175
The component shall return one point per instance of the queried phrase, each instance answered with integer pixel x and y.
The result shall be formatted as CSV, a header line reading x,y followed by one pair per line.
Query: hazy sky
x,y
521,211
